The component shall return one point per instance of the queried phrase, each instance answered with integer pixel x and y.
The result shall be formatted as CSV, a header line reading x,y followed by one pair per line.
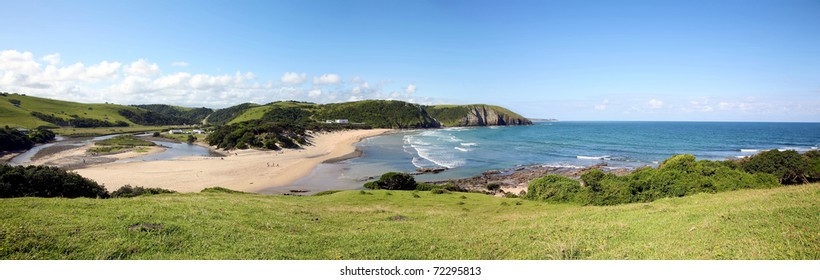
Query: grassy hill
x,y
379,113
374,113
21,116
778,223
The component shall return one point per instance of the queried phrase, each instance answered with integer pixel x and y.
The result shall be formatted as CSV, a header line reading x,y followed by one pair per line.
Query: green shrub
x,y
373,185
129,191
438,191
422,186
45,181
788,166
219,190
322,193
393,181
493,187
554,188
677,176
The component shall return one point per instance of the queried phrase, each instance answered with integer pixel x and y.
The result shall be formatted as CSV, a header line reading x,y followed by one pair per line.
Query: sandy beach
x,y
242,170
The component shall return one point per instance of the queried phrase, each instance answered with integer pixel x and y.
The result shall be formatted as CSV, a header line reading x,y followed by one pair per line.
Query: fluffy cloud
x,y
327,79
145,82
411,89
655,104
142,68
179,64
293,78
52,59
603,105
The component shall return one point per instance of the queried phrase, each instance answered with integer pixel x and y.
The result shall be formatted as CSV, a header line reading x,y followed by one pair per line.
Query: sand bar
x,y
242,170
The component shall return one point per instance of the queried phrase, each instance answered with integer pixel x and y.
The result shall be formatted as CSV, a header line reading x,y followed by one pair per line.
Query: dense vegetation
x,y
258,134
129,191
679,176
45,181
789,166
14,140
378,113
77,121
151,118
777,223
179,114
393,181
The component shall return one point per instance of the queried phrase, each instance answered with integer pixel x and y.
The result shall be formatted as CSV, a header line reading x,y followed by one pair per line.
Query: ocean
x,y
470,151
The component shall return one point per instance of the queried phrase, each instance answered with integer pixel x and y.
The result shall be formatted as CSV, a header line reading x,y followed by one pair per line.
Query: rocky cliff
x,y
476,115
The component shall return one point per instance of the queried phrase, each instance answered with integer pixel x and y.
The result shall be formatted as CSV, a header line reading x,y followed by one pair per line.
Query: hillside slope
x,y
21,116
778,223
476,115
385,114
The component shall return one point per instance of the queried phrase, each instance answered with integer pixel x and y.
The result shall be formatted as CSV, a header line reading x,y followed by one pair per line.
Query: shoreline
x,y
241,170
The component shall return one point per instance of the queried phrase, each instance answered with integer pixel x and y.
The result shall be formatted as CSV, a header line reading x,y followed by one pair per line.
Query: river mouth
x,y
172,151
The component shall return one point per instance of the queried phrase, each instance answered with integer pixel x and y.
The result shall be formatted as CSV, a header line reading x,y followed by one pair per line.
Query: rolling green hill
x,y
382,114
181,115
777,223
21,116
31,112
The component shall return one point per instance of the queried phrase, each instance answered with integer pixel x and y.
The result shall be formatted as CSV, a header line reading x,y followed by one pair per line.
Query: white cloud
x,y
142,68
655,104
52,59
293,78
143,82
603,105
327,79
103,70
411,89
20,62
179,64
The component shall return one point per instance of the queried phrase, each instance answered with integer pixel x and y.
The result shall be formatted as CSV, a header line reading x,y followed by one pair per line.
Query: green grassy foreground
x,y
778,223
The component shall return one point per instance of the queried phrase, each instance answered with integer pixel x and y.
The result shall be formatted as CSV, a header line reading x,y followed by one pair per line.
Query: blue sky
x,y
571,60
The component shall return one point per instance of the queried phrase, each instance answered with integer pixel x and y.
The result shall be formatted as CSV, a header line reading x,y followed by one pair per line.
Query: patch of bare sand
x,y
242,170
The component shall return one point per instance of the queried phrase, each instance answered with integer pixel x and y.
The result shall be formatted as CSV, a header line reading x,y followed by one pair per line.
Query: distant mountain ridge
x,y
17,110
377,113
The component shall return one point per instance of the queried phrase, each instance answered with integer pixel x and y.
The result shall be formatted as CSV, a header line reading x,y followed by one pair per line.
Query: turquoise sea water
x,y
470,151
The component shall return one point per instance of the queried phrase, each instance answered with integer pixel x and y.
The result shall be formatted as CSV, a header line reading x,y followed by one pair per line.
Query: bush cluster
x,y
393,181
77,121
258,134
129,191
789,167
13,139
677,176
44,181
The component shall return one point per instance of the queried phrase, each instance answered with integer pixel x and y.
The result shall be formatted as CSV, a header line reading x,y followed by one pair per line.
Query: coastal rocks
x,y
481,115
516,180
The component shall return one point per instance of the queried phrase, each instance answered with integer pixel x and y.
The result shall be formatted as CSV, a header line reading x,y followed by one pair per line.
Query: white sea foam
x,y
469,144
462,149
749,150
563,166
441,158
595,158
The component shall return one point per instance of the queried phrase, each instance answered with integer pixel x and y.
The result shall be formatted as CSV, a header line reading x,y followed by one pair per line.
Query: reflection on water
x,y
173,150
